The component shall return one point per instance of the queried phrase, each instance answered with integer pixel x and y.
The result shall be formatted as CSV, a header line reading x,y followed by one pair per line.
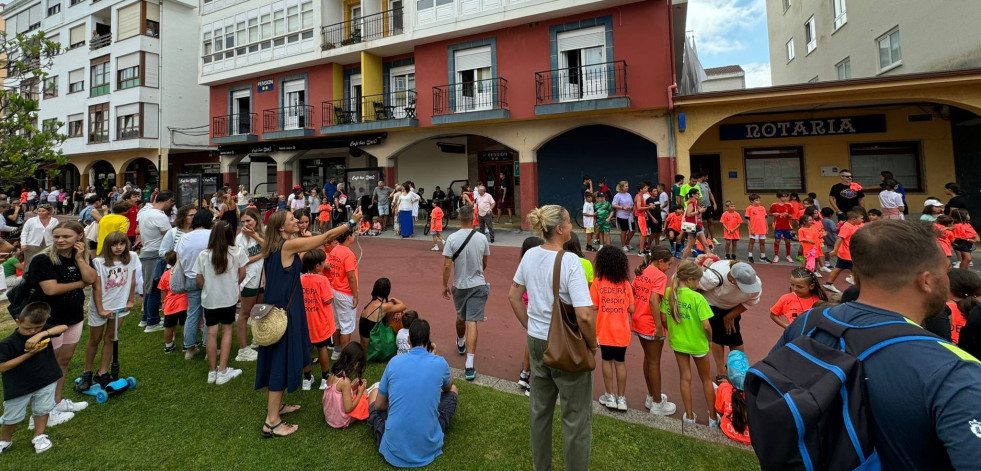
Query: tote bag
x,y
567,348
382,345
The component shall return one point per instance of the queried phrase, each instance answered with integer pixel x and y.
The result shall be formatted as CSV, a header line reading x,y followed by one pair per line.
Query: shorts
x,y
843,264
344,312
613,353
171,320
221,315
589,230
757,237
327,342
445,411
783,234
95,320
364,327
70,336
42,402
470,302
643,226
963,246
698,230
384,210
625,224
654,225
250,292
436,233
719,335
603,227
709,212
650,338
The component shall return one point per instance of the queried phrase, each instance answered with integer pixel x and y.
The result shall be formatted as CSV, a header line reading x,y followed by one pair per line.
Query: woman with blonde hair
x,y
534,275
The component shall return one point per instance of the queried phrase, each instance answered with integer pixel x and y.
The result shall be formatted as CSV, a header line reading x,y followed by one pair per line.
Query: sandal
x,y
272,430
283,409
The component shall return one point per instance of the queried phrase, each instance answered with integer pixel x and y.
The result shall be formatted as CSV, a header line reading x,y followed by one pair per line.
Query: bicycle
x,y
578,219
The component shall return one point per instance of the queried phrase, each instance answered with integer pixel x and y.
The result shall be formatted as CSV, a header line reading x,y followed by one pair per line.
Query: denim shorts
x,y
42,402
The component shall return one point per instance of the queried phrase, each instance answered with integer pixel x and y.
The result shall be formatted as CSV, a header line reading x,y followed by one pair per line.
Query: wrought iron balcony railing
x,y
233,125
287,117
386,106
379,25
584,82
477,95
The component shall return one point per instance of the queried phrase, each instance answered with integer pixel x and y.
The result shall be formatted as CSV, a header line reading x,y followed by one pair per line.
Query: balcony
x,y
100,41
379,25
370,113
583,88
234,129
478,100
288,121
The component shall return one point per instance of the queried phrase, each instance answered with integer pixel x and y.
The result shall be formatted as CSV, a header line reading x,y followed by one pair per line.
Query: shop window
x,y
771,169
790,50
844,69
900,158
75,125
810,35
890,53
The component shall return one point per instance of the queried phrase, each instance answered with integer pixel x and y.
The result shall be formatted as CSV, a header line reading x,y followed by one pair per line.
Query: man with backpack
x,y
862,382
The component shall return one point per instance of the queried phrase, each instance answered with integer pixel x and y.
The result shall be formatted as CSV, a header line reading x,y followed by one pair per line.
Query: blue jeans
x,y
193,313
151,294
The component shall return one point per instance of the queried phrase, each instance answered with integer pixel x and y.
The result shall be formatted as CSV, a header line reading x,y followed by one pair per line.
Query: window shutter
x,y
476,58
75,117
153,12
129,21
127,61
77,35
582,39
76,76
37,14
126,110
152,74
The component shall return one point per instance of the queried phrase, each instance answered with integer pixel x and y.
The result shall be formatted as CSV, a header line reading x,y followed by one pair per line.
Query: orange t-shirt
x,y
324,212
845,233
757,219
945,239
673,222
613,315
342,260
790,305
172,303
798,209
731,220
651,280
964,231
723,405
320,314
811,237
436,225
957,322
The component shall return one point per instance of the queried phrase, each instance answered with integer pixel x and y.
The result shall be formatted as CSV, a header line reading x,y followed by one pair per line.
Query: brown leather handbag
x,y
567,347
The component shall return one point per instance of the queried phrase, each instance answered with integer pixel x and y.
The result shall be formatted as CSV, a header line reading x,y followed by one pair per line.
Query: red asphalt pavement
x,y
416,275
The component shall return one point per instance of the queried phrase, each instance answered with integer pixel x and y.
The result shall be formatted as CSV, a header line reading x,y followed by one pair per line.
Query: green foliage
x,y
25,144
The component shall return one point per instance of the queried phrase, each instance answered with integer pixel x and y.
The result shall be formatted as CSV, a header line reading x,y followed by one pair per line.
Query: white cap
x,y
933,202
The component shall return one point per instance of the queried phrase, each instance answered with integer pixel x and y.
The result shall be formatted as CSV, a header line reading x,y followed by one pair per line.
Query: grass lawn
x,y
174,420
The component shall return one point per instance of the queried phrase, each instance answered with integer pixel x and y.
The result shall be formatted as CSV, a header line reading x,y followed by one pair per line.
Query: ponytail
x,y
686,272
965,284
673,299
544,220
740,415
656,253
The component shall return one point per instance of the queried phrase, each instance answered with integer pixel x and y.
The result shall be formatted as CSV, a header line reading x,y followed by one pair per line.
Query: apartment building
x,y
527,95
121,82
822,40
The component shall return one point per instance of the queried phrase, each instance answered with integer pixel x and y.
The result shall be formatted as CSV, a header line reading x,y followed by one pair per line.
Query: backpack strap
x,y
862,341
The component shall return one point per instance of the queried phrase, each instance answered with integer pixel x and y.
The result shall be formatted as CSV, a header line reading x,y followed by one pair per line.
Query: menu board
x,y
188,189
773,174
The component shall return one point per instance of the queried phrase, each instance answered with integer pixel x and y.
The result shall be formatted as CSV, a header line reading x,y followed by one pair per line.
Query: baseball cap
x,y
297,187
746,278
933,202
737,364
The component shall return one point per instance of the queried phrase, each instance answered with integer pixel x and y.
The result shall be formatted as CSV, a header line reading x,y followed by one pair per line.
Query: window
x,y
810,35
814,79
75,125
293,19
786,5
583,72
128,21
152,26
890,54
50,125
474,88
771,169
54,7
75,2
51,87
100,77
76,36
900,158
76,80
838,9
844,69
99,123
128,71
790,50
306,12
128,121
29,89
27,20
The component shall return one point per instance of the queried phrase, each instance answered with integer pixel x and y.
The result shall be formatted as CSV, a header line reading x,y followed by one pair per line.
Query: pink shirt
x,y
483,203
334,408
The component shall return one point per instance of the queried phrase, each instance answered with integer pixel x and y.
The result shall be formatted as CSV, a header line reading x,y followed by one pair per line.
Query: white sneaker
x,y
227,375
956,265
826,269
246,354
608,400
323,384
4,445
435,248
714,423
527,392
212,376
685,419
830,287
68,405
307,384
790,259
664,407
621,403
41,443
56,418
142,324
190,353
817,274
336,355
649,401
254,345
154,328
850,280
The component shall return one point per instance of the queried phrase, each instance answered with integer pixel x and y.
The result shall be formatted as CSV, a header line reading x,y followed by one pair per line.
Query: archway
x,y
102,177
599,151
141,171
69,177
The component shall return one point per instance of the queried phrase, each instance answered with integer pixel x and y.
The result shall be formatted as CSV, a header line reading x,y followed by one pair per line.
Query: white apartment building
x,y
822,40
122,80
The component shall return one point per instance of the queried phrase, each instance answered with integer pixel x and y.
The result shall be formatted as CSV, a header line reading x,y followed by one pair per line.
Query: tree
x,y
26,145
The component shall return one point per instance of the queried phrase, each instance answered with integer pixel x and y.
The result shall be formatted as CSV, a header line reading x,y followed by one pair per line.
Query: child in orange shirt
x,y
964,237
804,292
317,300
672,225
944,227
323,217
436,228
730,399
731,220
613,299
842,248
174,305
798,206
756,214
810,236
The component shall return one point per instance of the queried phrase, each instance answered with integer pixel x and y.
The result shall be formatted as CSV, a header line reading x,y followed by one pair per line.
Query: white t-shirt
x,y
588,221
890,199
53,196
297,203
662,200
243,198
728,295
116,280
402,340
220,290
153,225
190,245
535,273
406,201
253,271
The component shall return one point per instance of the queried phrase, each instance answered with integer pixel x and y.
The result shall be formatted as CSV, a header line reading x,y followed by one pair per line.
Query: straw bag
x,y
269,321
567,347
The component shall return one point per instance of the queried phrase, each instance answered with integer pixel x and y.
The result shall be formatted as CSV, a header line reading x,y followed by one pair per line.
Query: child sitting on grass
x,y
345,398
174,305
317,300
402,337
30,375
730,399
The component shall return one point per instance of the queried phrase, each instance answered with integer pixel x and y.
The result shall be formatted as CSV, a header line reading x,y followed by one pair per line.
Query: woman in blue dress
x,y
280,365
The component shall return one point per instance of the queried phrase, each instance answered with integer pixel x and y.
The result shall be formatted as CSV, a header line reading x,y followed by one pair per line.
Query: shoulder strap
x,y
556,269
721,280
865,340
467,240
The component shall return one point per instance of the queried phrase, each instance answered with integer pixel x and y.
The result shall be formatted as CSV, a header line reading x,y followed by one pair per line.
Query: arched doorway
x,y
68,177
102,176
142,172
595,150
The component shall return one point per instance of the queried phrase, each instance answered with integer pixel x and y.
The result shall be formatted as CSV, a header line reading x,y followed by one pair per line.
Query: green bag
x,y
382,345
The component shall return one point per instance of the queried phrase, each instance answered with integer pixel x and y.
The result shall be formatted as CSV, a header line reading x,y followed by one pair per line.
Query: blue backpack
x,y
808,403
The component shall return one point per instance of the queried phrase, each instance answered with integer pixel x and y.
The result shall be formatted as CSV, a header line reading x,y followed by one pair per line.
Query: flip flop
x,y
272,430
283,411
